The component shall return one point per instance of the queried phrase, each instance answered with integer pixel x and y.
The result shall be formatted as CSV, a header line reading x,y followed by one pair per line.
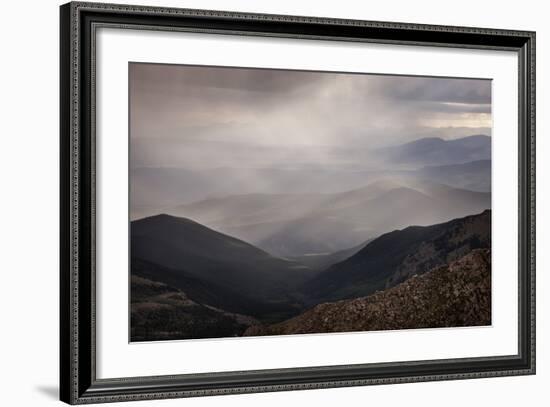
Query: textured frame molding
x,y
78,382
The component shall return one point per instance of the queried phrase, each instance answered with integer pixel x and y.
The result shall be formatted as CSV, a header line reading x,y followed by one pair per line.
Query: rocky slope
x,y
457,294
161,312
396,256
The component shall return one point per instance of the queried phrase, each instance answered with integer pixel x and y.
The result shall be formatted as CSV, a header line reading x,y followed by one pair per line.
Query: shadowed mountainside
x,y
161,312
395,256
189,281
201,291
185,253
458,294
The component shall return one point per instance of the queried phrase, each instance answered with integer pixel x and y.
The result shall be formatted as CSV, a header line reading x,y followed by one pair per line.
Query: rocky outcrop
x,y
453,295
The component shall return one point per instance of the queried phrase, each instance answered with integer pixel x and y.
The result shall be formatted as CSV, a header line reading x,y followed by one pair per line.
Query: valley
x,y
183,271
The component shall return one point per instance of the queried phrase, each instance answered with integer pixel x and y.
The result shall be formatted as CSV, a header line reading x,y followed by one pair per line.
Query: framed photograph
x,y
255,203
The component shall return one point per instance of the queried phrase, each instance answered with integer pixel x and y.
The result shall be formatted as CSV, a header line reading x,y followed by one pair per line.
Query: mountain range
x,y
388,238
242,285
293,225
465,164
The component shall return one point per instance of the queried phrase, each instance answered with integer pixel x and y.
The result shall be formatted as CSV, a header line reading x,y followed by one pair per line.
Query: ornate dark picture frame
x,y
78,381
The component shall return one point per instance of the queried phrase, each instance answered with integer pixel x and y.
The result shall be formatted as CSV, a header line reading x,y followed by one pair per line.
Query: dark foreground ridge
x,y
454,295
161,312
189,281
396,256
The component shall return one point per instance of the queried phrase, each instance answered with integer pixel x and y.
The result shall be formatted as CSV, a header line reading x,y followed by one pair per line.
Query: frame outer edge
x,y
70,140
75,118
64,225
69,373
75,195
70,198
190,12
533,193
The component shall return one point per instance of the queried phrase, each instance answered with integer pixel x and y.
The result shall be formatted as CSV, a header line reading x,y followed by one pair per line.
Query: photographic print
x,y
275,202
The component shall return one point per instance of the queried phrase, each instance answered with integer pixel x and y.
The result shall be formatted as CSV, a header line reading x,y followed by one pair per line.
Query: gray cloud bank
x,y
199,117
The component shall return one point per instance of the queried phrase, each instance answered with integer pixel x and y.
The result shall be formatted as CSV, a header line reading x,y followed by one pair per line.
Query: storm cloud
x,y
196,116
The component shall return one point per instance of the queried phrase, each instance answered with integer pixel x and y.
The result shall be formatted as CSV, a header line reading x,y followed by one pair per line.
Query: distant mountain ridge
x,y
293,225
155,190
474,175
437,151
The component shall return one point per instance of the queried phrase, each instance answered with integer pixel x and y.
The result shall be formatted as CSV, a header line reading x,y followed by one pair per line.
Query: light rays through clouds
x,y
196,117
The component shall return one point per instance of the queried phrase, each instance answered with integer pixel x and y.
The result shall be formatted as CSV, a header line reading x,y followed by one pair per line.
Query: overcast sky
x,y
199,117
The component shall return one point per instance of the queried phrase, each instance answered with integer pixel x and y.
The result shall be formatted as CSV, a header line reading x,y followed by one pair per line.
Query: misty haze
x,y
270,202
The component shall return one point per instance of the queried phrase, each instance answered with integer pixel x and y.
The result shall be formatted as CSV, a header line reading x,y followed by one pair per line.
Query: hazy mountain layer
x,y
458,294
475,175
153,190
320,262
293,225
437,151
